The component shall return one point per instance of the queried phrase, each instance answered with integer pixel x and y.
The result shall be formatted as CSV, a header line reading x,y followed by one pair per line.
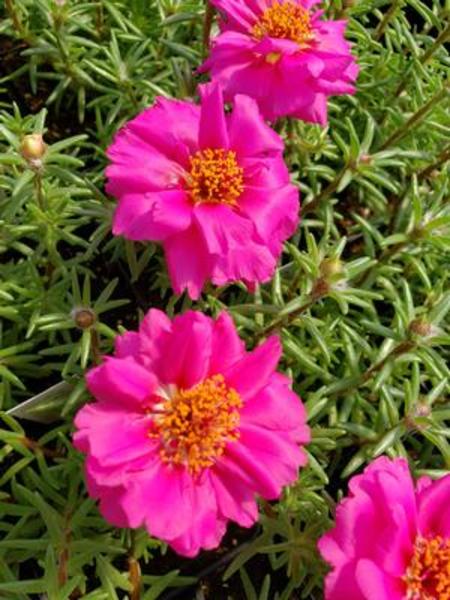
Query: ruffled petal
x,y
376,584
168,212
434,508
170,126
226,345
147,345
231,239
187,352
277,408
121,381
188,261
180,510
249,134
252,373
235,501
275,215
96,422
213,127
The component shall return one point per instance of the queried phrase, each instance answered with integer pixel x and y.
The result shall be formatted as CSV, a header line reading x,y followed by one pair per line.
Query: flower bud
x,y
33,147
330,267
420,327
84,317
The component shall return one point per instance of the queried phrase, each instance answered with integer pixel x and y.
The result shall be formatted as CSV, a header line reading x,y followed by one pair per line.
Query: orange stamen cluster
x,y
195,425
216,177
428,575
287,21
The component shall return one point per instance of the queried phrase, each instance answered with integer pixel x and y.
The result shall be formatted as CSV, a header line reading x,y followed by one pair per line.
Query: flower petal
x,y
251,374
188,262
187,352
213,127
121,381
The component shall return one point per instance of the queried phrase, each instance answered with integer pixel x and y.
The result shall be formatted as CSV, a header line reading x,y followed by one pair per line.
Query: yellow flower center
x,y
195,425
286,21
428,575
215,176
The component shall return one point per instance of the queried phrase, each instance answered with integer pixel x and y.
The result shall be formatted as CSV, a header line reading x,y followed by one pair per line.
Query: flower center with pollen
x,y
428,575
286,21
215,176
195,425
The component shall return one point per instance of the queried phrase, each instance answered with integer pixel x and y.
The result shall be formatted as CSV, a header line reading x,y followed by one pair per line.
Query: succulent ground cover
x,y
360,297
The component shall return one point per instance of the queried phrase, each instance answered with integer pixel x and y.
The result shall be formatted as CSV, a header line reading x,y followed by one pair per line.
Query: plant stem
x,y
207,24
386,19
134,570
325,193
440,40
442,158
95,346
39,190
401,348
320,290
14,16
415,119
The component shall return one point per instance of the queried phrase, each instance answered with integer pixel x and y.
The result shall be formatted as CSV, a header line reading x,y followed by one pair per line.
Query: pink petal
x,y
275,214
138,168
434,508
249,134
170,126
240,15
341,584
277,408
235,500
227,346
188,262
252,373
274,451
127,344
231,238
121,381
130,439
167,212
213,128
180,510
376,585
187,351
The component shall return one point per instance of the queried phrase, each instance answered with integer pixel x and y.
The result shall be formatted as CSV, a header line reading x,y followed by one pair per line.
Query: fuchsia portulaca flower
x,y
211,187
187,428
282,54
391,540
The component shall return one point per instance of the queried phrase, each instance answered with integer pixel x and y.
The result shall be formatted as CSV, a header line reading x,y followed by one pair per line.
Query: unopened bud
x,y
421,327
331,267
320,288
84,317
366,159
422,409
33,147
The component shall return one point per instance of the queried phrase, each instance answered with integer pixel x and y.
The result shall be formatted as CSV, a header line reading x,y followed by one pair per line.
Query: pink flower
x,y
283,55
211,187
187,428
391,540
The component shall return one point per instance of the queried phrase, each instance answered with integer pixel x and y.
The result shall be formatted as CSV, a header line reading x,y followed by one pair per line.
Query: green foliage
x,y
360,299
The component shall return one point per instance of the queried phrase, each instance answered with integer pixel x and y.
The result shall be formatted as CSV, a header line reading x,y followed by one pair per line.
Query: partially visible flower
x,y
391,540
211,187
283,54
188,428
